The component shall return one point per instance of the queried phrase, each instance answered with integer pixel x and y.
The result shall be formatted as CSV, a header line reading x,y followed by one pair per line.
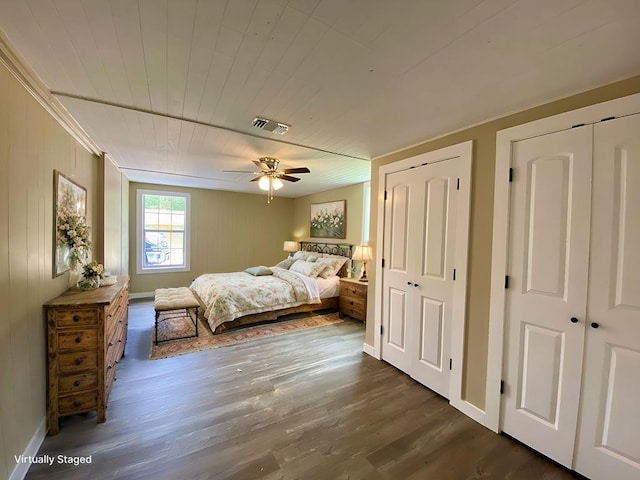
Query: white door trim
x,y
504,140
464,151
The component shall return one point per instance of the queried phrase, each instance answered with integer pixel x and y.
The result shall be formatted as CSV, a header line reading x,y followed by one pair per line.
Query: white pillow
x,y
334,264
310,269
286,263
308,256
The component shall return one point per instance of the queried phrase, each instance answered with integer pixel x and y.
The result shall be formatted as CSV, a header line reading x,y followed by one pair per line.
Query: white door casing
x,y
608,443
426,217
546,298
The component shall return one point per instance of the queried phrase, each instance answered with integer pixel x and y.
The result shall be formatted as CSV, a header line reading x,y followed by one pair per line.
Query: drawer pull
x,y
109,367
77,403
78,361
78,339
110,344
76,318
76,383
351,302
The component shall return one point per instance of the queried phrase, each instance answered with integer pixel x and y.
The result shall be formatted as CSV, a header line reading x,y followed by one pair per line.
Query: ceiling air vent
x,y
270,125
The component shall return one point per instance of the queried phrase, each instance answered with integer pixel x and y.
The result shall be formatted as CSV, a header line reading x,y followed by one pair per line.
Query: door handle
x,y
574,320
595,324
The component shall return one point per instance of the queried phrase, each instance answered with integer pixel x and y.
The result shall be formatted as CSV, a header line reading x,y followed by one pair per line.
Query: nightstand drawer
x,y
353,302
353,289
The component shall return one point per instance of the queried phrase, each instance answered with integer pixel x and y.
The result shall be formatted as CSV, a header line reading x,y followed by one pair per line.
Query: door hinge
x,y
607,119
381,329
451,364
510,174
506,281
501,387
454,273
458,185
383,263
385,194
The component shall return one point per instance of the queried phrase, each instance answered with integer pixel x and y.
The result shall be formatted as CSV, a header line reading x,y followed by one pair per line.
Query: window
x,y
366,211
163,231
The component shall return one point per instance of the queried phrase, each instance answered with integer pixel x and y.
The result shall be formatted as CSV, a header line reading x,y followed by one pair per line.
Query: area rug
x,y
183,326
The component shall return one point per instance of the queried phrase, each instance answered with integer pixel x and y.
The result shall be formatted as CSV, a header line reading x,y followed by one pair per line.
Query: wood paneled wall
x,y
32,145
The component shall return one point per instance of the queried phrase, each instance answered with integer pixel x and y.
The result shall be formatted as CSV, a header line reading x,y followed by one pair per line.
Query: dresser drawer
x,y
81,402
78,339
70,362
75,317
77,383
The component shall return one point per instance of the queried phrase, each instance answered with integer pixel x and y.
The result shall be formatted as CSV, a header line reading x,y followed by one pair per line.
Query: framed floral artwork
x,y
72,236
328,220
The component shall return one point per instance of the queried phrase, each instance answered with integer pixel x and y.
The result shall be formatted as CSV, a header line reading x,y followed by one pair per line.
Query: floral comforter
x,y
227,296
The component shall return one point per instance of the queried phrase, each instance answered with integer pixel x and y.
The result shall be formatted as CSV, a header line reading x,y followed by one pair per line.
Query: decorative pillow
x,y
333,265
286,263
308,256
310,269
259,271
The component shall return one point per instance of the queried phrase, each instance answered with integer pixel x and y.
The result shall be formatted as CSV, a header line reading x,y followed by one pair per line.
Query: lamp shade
x,y
277,184
263,183
362,253
290,246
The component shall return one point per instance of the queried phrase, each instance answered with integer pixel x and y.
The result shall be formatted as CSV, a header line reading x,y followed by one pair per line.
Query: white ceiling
x,y
171,86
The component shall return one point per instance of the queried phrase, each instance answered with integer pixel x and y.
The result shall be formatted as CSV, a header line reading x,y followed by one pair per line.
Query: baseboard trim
x,y
21,469
369,350
142,295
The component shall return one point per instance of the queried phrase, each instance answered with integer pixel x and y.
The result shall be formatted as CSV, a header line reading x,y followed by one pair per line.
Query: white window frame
x,y
140,268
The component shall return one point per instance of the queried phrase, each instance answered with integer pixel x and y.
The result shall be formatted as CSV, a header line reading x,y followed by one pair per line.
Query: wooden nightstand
x,y
353,299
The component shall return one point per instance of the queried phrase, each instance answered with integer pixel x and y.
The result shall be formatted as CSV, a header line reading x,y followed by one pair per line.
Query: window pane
x,y
164,222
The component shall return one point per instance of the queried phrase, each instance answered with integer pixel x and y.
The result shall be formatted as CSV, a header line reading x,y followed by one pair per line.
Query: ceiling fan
x,y
269,178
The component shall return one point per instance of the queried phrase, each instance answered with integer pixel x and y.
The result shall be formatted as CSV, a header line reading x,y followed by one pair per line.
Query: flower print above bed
x,y
227,296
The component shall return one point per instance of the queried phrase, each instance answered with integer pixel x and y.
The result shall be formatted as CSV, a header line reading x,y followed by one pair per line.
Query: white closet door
x,y
547,294
609,437
399,209
418,286
433,284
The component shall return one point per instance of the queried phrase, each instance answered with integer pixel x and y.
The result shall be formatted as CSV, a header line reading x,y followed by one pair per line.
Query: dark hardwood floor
x,y
307,405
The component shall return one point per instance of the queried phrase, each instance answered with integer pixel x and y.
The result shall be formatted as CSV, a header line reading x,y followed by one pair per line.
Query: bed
x,y
307,281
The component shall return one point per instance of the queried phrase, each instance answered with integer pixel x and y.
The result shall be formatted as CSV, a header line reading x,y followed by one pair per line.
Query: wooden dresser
x,y
87,333
353,299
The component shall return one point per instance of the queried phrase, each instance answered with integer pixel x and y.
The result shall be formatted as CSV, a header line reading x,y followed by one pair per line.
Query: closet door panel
x,y
546,299
396,294
608,443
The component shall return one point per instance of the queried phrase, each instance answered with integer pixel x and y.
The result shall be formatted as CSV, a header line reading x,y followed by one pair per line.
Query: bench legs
x,y
162,315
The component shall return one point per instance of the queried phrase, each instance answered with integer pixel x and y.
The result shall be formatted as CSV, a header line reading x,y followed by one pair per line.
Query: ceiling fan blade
x,y
288,178
261,166
256,178
297,170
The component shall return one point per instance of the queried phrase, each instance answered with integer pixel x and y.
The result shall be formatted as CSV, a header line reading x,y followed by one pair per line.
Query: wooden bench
x,y
175,302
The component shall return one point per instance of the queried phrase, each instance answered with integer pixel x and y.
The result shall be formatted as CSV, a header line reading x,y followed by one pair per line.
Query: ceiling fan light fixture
x,y
263,183
277,183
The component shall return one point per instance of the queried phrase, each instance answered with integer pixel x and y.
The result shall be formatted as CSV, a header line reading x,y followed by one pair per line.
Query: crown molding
x,y
36,87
